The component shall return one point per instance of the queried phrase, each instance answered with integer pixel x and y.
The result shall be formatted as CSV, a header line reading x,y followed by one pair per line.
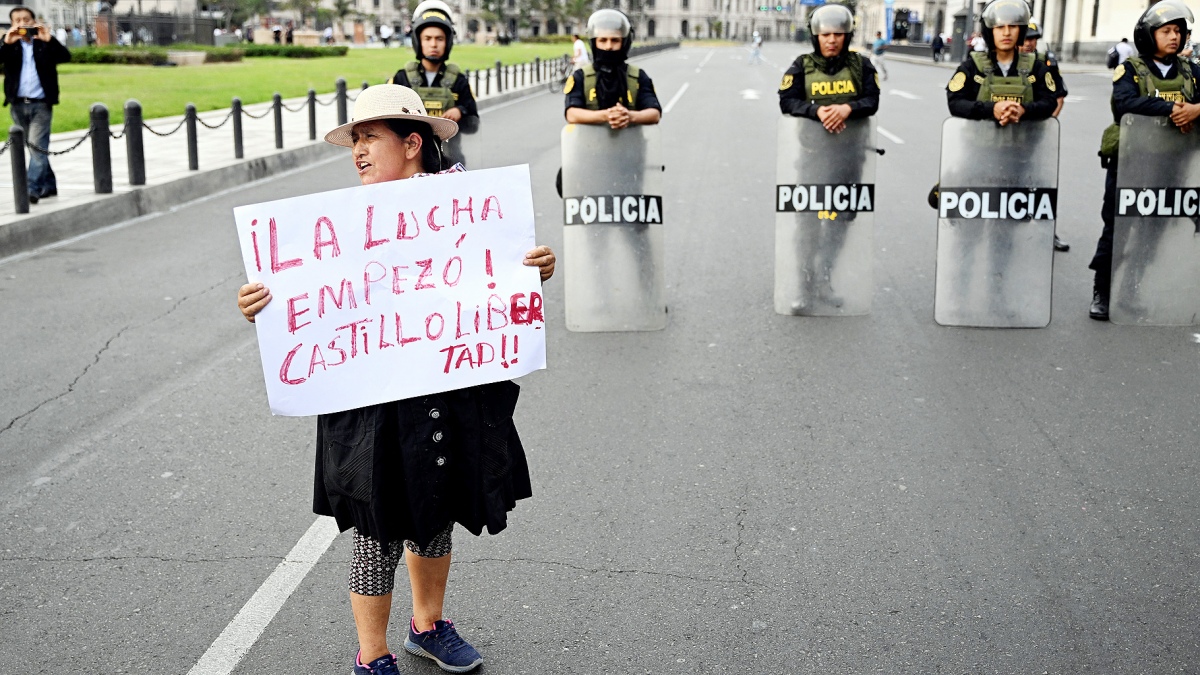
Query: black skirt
x,y
405,469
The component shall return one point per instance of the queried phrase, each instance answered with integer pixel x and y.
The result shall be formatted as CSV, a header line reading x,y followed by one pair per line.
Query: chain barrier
x,y
55,153
120,134
355,96
164,135
252,116
5,148
295,110
331,101
218,125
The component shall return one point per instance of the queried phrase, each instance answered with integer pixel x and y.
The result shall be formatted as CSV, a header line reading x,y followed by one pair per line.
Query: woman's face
x,y
1167,39
379,154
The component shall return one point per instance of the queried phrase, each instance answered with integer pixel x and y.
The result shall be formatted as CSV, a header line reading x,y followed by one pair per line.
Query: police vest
x,y
589,87
1181,88
437,100
993,88
841,87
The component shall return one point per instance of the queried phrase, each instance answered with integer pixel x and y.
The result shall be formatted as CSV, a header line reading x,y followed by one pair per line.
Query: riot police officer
x,y
442,86
1157,82
1032,35
829,86
832,84
609,90
1002,84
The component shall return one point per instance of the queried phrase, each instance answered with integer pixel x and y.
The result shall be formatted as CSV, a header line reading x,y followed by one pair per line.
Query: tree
x,y
577,11
305,8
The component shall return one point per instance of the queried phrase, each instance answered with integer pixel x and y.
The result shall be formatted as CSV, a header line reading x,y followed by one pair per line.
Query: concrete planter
x,y
180,58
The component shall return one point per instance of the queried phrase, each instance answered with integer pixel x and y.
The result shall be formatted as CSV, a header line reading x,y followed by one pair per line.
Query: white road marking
x,y
750,94
706,58
890,136
1076,99
240,635
675,98
904,94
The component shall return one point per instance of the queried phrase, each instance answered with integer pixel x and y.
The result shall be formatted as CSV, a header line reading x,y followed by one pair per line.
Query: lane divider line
x,y
904,94
240,635
675,98
706,58
890,136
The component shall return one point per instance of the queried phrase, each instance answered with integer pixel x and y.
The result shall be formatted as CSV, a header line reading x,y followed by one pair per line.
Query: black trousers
x,y
1102,260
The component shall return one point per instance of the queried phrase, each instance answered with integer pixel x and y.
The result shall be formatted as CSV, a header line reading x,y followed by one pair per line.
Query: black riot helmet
x,y
432,13
831,18
1004,13
1159,15
1032,32
609,23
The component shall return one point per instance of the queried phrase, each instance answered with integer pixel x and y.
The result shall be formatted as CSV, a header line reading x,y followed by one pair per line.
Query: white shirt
x,y
30,86
1004,66
1162,67
1124,51
385,31
581,56
430,77
978,44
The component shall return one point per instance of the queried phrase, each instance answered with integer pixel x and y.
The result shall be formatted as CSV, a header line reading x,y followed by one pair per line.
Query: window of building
x,y
650,28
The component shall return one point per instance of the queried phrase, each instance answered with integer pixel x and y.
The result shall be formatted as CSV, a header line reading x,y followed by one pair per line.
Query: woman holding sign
x,y
402,473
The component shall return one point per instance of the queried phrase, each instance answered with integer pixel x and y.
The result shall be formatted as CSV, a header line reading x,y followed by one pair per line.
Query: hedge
x,y
145,56
252,50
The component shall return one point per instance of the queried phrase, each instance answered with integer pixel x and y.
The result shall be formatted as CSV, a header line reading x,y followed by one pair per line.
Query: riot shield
x,y
824,213
997,205
613,232
467,146
1156,229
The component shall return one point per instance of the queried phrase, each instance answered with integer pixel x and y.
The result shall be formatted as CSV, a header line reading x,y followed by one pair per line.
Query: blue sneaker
x,y
443,644
384,665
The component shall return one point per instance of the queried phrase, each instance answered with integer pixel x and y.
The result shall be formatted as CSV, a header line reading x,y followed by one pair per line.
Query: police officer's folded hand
x,y
1008,112
542,258
618,116
834,117
1184,114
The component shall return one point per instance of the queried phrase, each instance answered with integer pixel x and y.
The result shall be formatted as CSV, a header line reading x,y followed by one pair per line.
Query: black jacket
x,y
46,55
963,104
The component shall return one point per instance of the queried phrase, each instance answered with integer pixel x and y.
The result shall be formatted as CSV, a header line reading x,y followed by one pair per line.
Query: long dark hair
x,y
433,159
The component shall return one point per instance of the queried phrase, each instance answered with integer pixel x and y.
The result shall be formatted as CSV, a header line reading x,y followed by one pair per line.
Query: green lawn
x,y
165,91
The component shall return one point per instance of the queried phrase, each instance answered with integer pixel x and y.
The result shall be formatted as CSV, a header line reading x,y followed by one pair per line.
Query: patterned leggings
x,y
373,570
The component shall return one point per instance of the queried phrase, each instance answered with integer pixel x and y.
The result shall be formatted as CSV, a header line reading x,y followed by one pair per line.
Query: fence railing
x,y
499,79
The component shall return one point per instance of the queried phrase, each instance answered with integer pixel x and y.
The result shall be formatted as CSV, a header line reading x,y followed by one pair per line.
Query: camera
x,y
22,31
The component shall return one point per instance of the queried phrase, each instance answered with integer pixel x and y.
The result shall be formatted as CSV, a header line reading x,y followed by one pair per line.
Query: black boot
x,y
1099,309
1060,245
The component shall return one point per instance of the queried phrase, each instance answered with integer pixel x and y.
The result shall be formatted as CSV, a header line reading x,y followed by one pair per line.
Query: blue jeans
x,y
35,119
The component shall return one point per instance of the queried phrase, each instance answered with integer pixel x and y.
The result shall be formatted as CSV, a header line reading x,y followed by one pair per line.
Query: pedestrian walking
x,y
978,43
830,86
937,46
375,473
1156,82
609,90
385,35
31,55
442,85
756,49
879,49
579,56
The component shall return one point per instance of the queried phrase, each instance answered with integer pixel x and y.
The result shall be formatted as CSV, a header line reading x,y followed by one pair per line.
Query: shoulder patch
x,y
980,79
1031,79
1050,82
1119,72
569,85
876,79
957,82
787,82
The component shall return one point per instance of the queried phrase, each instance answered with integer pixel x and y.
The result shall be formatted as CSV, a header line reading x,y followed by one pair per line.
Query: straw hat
x,y
390,102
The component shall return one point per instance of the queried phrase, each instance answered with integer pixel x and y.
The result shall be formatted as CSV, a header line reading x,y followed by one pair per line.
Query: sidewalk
x,y
78,208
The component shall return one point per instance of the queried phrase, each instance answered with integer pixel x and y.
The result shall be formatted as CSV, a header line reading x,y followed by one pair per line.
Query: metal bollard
x,y
238,151
537,67
341,101
524,68
488,81
366,84
101,157
277,106
312,115
16,152
134,149
193,145
499,81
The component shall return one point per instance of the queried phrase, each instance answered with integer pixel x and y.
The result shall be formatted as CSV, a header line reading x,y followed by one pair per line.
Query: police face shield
x,y
1006,13
602,27
831,19
997,204
1156,225
1168,11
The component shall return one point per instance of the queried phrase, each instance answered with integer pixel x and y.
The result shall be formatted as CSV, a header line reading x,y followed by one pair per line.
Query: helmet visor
x,y
608,23
1006,13
1165,12
831,19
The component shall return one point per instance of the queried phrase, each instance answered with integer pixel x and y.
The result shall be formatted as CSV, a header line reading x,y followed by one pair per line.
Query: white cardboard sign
x,y
394,290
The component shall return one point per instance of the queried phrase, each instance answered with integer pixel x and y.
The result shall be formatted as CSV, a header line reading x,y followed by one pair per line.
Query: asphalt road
x,y
741,492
